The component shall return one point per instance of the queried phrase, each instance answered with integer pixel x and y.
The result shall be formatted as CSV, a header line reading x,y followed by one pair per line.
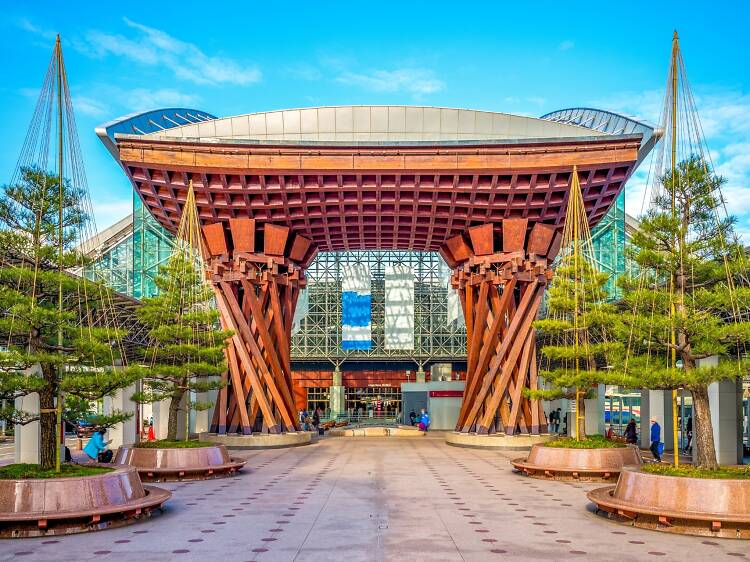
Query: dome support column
x,y
256,288
501,292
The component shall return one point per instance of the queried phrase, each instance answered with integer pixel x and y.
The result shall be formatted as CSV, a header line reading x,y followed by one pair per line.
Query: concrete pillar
x,y
337,395
123,433
725,399
200,420
26,437
160,411
657,404
595,413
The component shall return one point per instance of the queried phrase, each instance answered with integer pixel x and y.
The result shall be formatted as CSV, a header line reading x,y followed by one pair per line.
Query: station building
x,y
377,380
128,255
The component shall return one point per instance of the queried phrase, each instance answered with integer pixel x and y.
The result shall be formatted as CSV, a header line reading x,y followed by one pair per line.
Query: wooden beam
x,y
509,340
459,249
266,340
540,238
239,396
241,324
501,386
482,239
215,239
222,302
300,247
243,235
274,239
514,234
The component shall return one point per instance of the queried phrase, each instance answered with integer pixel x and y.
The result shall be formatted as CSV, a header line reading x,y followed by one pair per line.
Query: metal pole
x,y
58,431
675,47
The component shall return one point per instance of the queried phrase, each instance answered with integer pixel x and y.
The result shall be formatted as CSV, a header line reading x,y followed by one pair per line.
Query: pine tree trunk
x,y
174,411
581,417
703,430
47,429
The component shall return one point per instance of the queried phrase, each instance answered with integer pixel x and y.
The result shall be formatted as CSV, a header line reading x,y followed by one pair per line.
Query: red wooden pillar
x,y
257,273
500,275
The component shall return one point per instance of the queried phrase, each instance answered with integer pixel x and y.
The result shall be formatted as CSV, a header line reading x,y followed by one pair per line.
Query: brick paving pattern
x,y
375,499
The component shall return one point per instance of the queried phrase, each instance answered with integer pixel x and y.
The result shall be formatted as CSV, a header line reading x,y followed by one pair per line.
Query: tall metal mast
x,y
58,56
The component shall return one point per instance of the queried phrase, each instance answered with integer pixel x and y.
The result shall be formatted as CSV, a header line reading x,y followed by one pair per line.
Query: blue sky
x,y
231,58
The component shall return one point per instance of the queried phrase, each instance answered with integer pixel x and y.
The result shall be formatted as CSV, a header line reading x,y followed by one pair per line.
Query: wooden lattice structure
x,y
501,274
256,293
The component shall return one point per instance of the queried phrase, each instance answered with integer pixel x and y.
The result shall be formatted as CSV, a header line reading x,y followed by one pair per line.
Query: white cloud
x,y
566,45
415,81
88,106
152,47
27,25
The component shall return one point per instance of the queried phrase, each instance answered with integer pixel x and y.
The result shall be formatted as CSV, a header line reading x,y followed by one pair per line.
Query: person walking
x,y
689,431
655,439
424,420
558,417
631,433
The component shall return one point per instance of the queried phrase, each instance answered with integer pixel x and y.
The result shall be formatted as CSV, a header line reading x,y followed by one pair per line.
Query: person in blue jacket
x,y
96,448
424,420
655,439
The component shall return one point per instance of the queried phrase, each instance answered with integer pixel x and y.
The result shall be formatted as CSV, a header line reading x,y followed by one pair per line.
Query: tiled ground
x,y
375,499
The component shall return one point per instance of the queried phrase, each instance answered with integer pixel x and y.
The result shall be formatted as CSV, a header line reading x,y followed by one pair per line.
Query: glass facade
x,y
319,336
152,246
608,239
114,267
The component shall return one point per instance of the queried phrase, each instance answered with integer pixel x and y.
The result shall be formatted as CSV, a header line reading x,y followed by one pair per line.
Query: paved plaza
x,y
375,499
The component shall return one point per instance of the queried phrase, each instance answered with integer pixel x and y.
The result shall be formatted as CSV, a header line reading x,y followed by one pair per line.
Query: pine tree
x,y
576,335
31,284
685,301
187,349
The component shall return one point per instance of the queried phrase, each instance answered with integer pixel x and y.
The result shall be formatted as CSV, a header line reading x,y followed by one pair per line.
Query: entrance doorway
x,y
318,397
376,403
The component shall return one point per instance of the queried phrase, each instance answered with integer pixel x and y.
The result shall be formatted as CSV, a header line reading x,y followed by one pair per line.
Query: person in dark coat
x,y
316,418
689,431
631,433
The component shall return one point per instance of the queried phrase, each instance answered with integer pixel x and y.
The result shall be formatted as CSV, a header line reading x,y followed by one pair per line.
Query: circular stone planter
x,y
377,431
696,506
497,441
197,463
593,465
260,440
59,506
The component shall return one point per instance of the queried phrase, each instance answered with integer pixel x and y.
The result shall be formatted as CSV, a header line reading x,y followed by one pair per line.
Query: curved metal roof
x,y
373,123
146,122
609,123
